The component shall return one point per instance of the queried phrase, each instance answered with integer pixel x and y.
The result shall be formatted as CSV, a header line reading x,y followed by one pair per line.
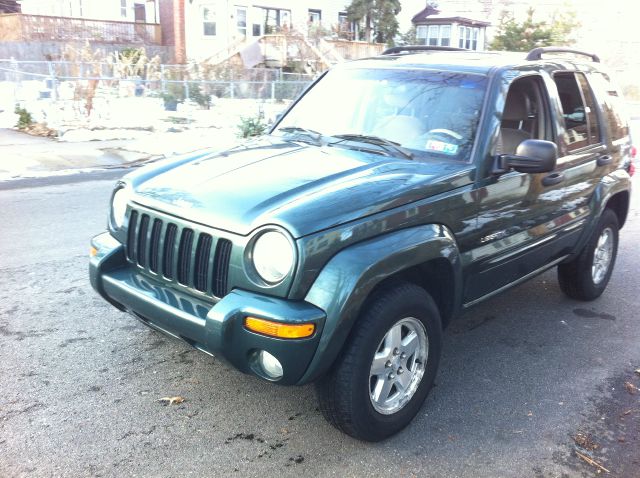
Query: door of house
x,y
139,12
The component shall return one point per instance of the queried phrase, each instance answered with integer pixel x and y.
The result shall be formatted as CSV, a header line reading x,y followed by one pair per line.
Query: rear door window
x,y
578,110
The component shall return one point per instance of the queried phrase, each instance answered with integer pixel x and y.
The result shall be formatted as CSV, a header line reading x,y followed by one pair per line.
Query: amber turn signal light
x,y
92,252
278,329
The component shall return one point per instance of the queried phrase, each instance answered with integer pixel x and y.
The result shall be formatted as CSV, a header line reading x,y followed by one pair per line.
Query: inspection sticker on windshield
x,y
441,147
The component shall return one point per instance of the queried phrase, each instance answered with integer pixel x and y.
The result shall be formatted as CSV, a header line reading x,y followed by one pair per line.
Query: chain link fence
x,y
177,83
68,95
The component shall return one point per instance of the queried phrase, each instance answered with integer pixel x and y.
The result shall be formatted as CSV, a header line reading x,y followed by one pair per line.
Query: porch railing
x,y
21,27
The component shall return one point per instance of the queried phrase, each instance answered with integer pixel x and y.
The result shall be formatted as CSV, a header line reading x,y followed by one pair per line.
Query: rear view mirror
x,y
532,156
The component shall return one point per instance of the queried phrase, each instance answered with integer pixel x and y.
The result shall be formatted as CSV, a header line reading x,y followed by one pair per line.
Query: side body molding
x,y
349,277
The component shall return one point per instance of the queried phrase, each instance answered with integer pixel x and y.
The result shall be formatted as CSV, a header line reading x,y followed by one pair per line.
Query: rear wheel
x,y
387,367
587,275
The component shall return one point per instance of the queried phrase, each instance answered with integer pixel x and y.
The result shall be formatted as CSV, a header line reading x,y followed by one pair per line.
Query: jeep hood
x,y
300,187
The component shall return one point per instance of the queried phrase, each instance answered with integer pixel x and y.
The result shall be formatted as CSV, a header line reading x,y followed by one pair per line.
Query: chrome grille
x,y
179,254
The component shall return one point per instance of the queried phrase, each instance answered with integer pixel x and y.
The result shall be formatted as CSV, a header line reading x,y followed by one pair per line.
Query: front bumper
x,y
217,328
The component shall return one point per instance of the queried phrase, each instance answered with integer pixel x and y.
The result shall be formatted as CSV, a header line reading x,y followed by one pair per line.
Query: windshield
x,y
429,113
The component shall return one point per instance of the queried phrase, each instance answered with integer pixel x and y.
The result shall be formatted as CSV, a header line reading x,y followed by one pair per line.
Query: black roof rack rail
x,y
536,53
418,48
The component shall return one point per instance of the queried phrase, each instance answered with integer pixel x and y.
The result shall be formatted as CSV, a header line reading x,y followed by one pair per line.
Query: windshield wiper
x,y
300,131
385,144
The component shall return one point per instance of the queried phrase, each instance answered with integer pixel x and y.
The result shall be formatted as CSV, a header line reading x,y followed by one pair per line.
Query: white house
x,y
215,25
436,28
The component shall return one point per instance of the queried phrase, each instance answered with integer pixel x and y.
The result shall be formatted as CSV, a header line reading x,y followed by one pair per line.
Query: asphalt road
x,y
80,381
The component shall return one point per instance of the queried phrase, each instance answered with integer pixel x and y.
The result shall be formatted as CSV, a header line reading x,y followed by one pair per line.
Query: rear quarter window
x,y
614,107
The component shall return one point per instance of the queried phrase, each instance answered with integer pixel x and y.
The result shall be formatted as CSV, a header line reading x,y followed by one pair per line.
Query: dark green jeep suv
x,y
395,192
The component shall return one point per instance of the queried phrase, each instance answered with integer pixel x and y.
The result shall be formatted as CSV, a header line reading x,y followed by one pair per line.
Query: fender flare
x,y
348,278
616,182
612,184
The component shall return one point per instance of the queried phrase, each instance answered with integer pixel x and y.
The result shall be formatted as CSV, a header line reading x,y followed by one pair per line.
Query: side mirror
x,y
532,156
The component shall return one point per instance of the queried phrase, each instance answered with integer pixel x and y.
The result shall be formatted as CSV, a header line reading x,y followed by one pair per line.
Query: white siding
x,y
199,45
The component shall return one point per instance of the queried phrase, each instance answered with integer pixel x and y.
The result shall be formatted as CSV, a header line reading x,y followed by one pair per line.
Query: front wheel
x,y
387,367
587,275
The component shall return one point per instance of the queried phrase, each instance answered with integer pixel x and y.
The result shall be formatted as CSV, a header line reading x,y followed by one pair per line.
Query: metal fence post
x,y
17,72
162,80
53,80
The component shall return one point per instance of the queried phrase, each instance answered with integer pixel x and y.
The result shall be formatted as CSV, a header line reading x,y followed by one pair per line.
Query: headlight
x,y
273,256
119,207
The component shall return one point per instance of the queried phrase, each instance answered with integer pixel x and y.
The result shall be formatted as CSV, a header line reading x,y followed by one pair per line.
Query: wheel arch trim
x,y
347,280
611,186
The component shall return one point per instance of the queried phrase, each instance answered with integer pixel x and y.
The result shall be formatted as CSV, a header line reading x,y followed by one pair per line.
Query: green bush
x,y
252,126
24,118
172,95
196,94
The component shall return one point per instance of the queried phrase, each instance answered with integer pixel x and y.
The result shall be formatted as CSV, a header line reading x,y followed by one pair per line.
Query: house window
x,y
241,21
433,35
75,8
468,38
208,21
347,28
273,20
285,19
445,35
315,16
123,8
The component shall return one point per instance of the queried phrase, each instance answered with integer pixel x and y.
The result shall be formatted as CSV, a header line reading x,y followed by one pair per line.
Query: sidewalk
x,y
124,132
26,156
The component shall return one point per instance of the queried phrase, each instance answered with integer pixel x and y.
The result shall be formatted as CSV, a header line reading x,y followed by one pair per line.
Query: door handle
x,y
604,160
553,178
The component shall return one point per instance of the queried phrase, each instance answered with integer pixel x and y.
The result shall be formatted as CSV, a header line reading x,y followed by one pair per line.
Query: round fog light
x,y
270,365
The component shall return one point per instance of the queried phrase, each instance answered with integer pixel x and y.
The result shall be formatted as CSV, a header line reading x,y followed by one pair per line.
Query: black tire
x,y
576,277
344,392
